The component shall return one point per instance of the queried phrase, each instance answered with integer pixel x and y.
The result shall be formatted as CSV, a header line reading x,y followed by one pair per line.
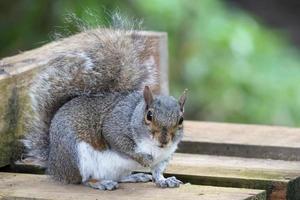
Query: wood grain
x,y
281,179
251,141
25,186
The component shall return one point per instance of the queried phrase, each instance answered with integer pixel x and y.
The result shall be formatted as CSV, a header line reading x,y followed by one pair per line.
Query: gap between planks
x,y
250,141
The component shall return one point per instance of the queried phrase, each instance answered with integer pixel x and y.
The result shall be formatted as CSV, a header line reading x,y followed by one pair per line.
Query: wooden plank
x,y
241,140
25,186
280,178
16,74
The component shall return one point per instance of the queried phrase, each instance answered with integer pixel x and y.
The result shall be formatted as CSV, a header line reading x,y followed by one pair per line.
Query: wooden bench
x,y
268,157
279,178
26,186
249,141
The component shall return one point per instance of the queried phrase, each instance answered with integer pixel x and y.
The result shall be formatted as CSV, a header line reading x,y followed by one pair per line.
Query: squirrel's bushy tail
x,y
109,60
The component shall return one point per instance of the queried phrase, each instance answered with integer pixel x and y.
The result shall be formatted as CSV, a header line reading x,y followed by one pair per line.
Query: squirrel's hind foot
x,y
137,178
102,185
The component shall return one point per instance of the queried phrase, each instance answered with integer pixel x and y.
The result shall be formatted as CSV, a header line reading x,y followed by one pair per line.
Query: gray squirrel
x,y
95,118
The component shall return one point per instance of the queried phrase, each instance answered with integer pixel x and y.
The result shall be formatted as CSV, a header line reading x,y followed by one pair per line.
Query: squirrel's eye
x,y
149,115
180,121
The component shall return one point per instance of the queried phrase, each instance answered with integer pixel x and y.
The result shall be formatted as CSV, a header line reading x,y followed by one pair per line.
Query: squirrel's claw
x,y
170,182
102,185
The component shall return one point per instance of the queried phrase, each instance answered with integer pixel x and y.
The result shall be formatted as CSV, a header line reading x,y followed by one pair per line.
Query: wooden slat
x,y
25,186
250,141
279,178
16,74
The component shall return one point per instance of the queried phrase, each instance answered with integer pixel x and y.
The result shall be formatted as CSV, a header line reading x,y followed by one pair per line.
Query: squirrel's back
x,y
110,60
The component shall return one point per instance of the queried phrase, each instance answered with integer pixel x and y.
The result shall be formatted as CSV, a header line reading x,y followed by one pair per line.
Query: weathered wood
x,y
25,186
280,178
16,73
252,141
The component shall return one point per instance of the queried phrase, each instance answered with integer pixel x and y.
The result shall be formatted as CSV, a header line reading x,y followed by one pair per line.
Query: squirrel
x,y
95,118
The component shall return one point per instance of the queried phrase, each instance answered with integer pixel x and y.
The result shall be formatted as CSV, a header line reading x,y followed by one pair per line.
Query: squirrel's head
x,y
164,117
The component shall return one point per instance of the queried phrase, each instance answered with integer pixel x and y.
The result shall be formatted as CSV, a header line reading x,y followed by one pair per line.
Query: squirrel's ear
x,y
148,96
182,100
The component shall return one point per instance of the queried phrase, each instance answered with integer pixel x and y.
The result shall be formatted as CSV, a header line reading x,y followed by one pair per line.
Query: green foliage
x,y
236,69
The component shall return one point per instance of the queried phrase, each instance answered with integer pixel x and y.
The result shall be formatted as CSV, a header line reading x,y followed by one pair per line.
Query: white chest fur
x,y
102,165
110,165
149,146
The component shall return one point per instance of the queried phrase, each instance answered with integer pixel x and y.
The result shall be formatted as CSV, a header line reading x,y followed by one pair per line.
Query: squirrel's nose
x,y
164,142
164,137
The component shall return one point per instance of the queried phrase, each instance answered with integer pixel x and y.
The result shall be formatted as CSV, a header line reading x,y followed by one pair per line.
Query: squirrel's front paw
x,y
146,160
170,182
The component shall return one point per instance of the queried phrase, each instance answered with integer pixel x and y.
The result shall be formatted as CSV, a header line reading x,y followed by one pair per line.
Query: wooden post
x,y
17,72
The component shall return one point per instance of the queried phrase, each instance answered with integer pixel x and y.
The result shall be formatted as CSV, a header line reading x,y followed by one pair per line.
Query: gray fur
x,y
96,95
116,118
79,119
136,178
103,185
170,182
112,62
160,180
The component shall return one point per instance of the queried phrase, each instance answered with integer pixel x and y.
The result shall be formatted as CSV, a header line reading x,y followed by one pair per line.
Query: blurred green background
x,y
236,68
